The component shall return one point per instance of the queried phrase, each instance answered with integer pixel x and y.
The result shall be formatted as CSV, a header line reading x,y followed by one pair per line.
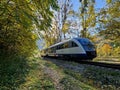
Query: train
x,y
80,48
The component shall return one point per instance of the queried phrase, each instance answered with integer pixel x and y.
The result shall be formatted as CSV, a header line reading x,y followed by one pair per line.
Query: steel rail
x,y
101,64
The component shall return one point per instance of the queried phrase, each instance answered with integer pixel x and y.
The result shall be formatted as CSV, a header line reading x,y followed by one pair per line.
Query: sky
x,y
98,4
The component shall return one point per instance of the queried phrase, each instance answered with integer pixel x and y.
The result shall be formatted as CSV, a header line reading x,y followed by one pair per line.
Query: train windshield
x,y
87,45
85,41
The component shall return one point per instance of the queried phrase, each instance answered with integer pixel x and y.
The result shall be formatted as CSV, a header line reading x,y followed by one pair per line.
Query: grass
x,y
108,79
49,64
92,77
71,83
13,72
23,74
84,83
100,78
70,80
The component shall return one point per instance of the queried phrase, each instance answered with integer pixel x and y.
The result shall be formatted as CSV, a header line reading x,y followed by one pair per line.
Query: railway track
x,y
101,64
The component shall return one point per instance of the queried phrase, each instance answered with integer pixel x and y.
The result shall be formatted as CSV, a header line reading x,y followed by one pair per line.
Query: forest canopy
x,y
20,23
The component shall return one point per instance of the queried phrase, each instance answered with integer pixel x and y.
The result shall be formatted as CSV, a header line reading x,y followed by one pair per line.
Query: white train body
x,y
72,48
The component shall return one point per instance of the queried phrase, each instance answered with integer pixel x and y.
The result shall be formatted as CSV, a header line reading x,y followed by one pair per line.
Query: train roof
x,y
60,43
72,39
84,41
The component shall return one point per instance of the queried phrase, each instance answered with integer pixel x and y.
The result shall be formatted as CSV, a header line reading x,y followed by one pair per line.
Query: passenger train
x,y
81,48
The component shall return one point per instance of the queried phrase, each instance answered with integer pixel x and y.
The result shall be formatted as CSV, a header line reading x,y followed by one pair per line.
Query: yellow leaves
x,y
65,27
108,1
91,9
88,17
117,51
71,12
81,14
34,36
106,49
93,24
94,38
28,1
90,21
114,10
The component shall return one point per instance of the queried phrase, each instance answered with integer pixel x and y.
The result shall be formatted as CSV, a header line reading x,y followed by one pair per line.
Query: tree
x,y
86,19
59,24
18,22
110,20
61,17
87,16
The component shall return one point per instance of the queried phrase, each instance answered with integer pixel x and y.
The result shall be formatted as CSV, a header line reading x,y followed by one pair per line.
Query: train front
x,y
88,47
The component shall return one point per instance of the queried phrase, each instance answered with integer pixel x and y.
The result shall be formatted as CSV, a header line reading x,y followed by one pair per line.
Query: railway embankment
x,y
95,77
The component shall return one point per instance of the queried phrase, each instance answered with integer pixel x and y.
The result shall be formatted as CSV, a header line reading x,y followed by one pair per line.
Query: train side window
x,y
69,44
74,44
62,46
51,50
65,45
58,47
55,48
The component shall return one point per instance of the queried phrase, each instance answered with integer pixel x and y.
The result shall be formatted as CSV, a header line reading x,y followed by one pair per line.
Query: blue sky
x,y
98,4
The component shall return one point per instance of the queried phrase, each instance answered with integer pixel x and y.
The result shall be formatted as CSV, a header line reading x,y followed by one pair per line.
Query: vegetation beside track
x,y
36,73
108,59
94,76
23,74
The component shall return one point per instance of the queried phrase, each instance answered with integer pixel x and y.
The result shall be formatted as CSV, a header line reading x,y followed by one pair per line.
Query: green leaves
x,y
110,20
88,16
19,20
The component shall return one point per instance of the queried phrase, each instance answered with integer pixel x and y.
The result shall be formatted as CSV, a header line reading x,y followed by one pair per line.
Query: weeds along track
x,y
101,64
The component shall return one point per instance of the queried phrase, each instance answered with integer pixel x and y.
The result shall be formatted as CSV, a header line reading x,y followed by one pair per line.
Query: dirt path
x,y
55,76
